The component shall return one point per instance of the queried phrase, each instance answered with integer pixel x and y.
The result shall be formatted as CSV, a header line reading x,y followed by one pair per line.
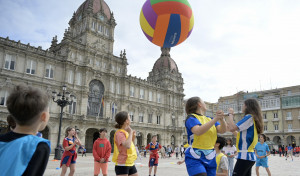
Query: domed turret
x,y
93,6
165,72
165,62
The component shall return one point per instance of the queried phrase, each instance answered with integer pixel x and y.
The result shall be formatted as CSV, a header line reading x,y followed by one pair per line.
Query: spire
x,y
54,41
165,52
72,20
124,54
112,19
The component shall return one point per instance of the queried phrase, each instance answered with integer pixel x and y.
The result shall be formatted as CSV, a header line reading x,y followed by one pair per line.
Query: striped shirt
x,y
246,138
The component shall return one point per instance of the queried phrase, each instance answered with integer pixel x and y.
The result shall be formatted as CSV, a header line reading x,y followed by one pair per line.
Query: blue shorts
x,y
262,162
65,160
152,161
196,166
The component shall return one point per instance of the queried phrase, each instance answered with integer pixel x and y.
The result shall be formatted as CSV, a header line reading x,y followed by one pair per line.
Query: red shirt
x,y
101,149
68,142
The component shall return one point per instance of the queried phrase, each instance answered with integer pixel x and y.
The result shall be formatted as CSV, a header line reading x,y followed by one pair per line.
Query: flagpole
x,y
100,105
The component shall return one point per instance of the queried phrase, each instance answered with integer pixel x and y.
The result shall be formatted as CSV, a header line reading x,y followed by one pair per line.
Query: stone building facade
x,y
85,63
280,111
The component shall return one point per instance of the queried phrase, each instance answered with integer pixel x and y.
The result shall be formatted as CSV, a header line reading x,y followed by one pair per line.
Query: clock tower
x,y
92,25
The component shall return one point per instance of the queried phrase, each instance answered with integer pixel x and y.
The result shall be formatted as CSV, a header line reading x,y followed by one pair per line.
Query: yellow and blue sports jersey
x,y
205,141
246,138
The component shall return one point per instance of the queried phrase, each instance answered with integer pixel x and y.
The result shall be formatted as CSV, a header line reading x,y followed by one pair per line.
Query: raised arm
x,y
223,127
128,141
232,126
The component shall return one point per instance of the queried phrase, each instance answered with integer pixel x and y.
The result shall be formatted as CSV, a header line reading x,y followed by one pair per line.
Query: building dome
x,y
96,6
165,62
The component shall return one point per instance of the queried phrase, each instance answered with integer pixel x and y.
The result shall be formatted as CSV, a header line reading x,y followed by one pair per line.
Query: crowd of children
x,y
29,113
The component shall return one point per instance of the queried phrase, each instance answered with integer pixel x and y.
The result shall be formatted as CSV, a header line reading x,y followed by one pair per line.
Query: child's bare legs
x,y
150,170
72,169
268,170
257,171
63,170
155,169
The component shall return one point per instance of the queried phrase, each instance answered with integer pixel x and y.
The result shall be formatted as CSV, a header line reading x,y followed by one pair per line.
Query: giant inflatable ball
x,y
167,23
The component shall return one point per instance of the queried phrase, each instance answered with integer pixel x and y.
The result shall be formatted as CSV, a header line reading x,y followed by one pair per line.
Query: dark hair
x,y
264,136
253,108
121,117
229,139
222,141
11,123
26,103
102,129
67,131
192,105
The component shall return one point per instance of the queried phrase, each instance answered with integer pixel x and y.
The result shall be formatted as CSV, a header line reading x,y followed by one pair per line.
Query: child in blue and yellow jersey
x,y
124,149
200,157
21,151
247,131
221,158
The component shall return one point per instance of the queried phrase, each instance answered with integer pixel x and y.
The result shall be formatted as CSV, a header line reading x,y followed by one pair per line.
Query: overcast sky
x,y
235,45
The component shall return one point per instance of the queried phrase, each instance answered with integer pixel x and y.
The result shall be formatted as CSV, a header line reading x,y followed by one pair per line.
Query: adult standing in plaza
x,y
200,158
247,136
169,149
176,150
124,149
289,152
280,151
69,156
182,149
163,152
153,148
230,152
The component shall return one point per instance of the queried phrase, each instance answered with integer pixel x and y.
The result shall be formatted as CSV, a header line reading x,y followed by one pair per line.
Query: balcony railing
x,y
289,118
265,120
275,120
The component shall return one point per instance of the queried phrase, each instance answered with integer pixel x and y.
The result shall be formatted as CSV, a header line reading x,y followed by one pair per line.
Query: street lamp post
x,y
62,100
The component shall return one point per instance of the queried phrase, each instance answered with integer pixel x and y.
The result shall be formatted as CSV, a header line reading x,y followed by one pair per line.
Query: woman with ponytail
x,y
247,130
124,149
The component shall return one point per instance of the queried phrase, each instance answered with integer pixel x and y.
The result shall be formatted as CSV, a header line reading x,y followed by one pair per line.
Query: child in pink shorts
x,y
101,153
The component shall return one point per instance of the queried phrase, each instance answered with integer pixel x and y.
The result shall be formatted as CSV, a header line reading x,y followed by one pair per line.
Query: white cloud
x,y
235,45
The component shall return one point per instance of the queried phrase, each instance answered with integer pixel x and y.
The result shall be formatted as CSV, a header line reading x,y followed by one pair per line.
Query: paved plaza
x,y
168,167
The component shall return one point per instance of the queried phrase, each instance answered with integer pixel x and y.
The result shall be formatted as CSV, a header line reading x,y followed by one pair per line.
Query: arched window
x,y
95,99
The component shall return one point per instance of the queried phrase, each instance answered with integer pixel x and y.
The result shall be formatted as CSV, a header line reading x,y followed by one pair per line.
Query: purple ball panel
x,y
149,14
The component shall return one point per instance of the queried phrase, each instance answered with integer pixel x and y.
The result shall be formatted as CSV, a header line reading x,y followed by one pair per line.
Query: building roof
x,y
165,62
97,6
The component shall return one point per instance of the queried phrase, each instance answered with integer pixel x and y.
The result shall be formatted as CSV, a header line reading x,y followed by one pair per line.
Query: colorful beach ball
x,y
167,23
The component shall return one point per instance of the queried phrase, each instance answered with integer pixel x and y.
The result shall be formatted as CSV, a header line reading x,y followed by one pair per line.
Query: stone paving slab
x,y
168,167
